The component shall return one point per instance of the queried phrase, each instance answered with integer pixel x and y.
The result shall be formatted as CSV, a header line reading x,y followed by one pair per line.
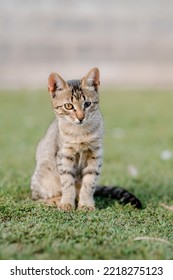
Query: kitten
x,y
69,157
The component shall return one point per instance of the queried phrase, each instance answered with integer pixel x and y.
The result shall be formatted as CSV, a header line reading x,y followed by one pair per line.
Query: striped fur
x,y
69,156
122,195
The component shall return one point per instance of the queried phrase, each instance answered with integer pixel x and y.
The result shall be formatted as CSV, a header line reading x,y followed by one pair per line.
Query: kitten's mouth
x,y
79,122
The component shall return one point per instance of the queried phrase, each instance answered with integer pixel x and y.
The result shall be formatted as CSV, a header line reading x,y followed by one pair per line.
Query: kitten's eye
x,y
68,106
87,104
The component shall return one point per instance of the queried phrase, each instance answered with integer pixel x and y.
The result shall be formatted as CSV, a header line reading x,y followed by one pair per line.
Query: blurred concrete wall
x,y
131,41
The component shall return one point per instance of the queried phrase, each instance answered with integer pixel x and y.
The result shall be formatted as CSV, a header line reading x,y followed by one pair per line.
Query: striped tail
x,y
122,195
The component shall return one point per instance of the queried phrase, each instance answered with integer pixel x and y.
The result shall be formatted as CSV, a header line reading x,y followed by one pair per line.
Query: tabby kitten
x,y
69,157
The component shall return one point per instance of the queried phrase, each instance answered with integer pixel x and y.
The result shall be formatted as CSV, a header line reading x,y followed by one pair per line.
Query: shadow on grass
x,y
104,202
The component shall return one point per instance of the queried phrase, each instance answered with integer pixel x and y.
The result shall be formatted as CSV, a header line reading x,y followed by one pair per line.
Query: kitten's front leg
x,y
90,176
66,168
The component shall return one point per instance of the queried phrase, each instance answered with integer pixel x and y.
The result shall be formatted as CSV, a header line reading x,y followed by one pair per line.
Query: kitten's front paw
x,y
86,207
66,207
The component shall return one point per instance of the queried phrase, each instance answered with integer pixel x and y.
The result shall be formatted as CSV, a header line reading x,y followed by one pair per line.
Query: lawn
x,y
138,129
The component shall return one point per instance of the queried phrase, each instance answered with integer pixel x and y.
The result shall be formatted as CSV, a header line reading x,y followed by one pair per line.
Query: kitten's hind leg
x,y
45,182
54,201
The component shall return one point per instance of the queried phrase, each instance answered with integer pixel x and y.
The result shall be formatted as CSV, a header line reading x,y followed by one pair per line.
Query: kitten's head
x,y
75,101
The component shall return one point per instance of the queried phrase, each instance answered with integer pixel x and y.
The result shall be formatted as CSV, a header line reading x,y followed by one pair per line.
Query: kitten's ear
x,y
55,83
92,79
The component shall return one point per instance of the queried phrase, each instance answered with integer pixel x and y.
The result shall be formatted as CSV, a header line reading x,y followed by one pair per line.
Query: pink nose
x,y
80,115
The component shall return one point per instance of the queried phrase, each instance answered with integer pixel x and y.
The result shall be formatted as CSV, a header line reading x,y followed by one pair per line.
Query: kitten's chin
x,y
78,123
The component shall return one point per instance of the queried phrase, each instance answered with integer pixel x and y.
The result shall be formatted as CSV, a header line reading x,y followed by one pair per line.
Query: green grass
x,y
30,230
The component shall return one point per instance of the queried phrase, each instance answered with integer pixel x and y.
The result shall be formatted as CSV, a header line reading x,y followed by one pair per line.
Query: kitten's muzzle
x,y
80,115
79,121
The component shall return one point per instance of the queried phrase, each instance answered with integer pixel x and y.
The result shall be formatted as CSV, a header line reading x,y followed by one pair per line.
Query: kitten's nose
x,y
80,115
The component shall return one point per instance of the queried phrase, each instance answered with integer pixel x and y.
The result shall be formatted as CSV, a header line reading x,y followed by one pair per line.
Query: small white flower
x,y
132,171
166,155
